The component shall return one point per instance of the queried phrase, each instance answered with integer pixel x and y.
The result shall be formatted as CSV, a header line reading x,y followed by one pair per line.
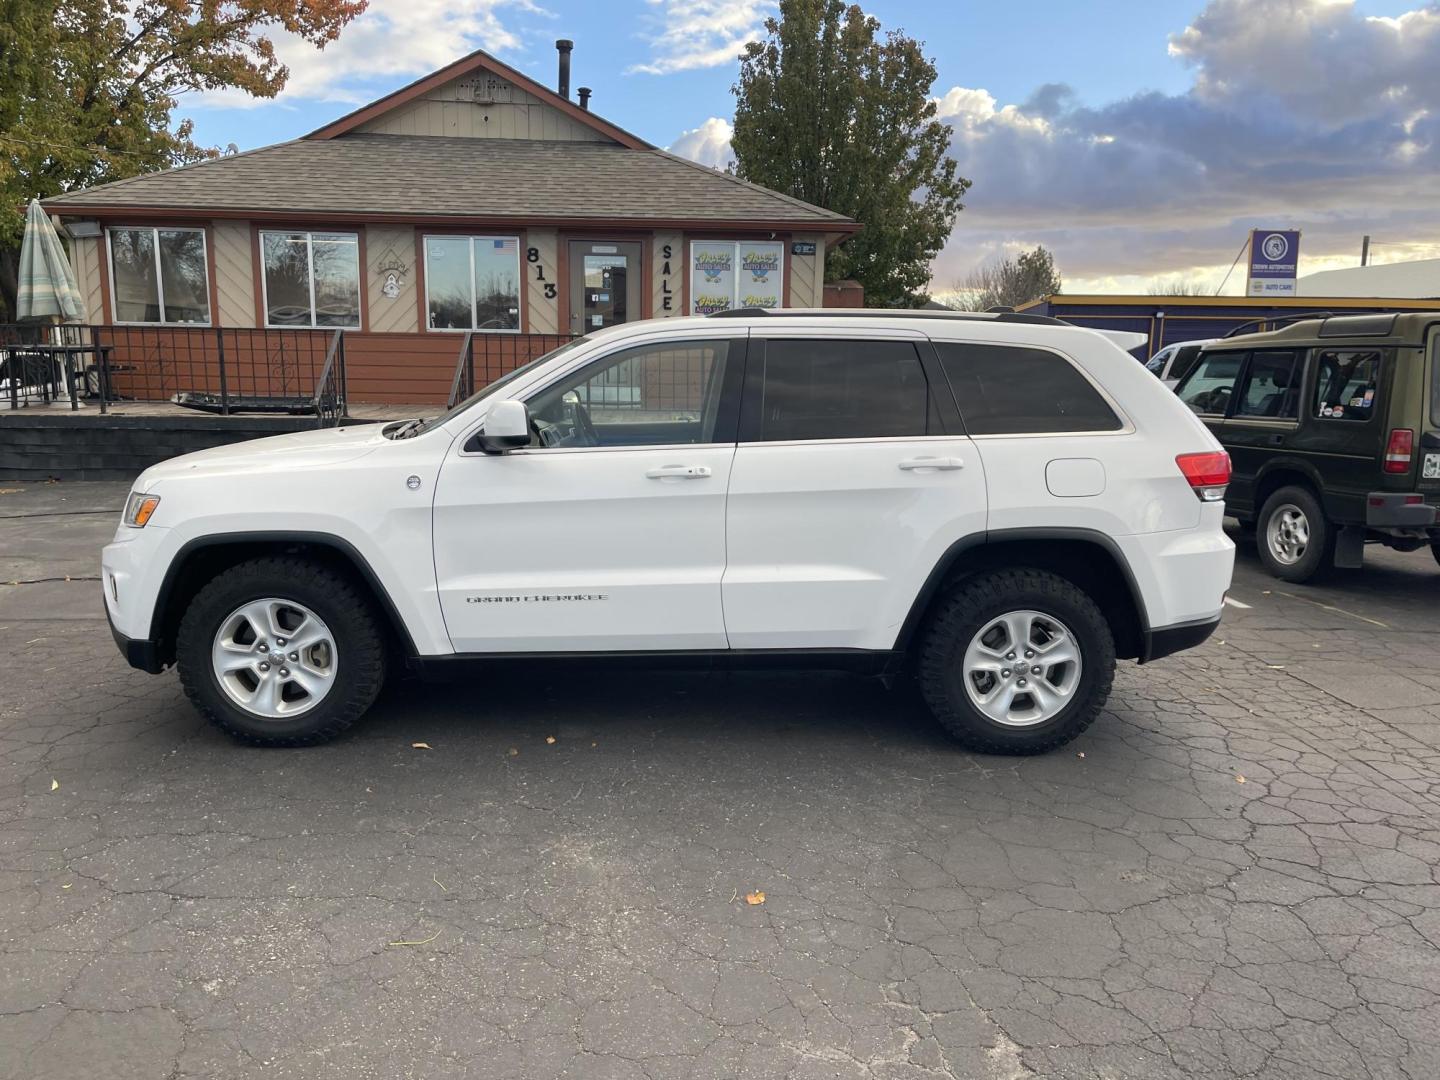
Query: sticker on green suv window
x,y
1431,469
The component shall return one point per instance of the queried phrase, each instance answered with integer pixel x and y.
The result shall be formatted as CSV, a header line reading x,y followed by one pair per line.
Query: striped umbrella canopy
x,y
47,283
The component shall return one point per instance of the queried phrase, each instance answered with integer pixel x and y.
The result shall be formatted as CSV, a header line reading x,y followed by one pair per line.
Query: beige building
x,y
473,200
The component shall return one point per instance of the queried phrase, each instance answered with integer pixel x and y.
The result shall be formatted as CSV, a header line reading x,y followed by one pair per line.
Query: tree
x,y
1179,287
87,87
1008,282
829,113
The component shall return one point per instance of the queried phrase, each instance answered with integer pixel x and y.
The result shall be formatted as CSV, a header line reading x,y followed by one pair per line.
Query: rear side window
x,y
1157,362
1271,388
827,389
1011,390
1346,384
1208,388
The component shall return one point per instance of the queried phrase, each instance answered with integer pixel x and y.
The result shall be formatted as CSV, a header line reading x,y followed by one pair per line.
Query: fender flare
x,y
339,545
947,561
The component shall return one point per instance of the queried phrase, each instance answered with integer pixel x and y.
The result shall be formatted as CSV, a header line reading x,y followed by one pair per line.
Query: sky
x,y
1139,140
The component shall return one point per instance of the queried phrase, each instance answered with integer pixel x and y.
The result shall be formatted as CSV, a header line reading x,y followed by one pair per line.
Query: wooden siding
x,y
450,111
234,273
386,246
669,271
88,261
807,275
542,312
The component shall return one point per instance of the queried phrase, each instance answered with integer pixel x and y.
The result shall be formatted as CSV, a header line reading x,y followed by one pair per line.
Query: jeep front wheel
x,y
281,652
1016,662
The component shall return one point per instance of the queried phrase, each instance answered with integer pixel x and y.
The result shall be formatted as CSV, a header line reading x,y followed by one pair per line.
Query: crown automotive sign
x,y
1274,256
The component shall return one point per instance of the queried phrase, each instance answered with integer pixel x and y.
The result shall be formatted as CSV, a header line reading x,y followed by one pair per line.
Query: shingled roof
x,y
414,177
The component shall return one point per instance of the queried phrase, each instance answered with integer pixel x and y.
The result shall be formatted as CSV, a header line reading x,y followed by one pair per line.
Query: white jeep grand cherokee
x,y
998,504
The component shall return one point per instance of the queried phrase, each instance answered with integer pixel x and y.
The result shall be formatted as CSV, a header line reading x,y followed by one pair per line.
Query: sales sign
x,y
725,275
1274,257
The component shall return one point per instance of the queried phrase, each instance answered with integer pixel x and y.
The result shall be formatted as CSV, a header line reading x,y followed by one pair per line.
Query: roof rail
x,y
1278,319
887,313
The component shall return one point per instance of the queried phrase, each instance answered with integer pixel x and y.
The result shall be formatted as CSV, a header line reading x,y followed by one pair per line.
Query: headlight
x,y
139,508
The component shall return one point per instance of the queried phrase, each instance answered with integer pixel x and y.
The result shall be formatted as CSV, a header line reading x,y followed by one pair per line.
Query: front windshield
x,y
504,381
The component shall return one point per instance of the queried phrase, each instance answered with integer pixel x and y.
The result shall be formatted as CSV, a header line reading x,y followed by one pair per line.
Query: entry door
x,y
608,533
845,492
604,284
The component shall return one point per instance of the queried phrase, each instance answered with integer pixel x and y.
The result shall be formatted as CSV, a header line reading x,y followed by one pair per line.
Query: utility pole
x,y
1364,250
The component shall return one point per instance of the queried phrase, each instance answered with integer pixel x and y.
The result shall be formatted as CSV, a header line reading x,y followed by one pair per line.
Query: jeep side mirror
x,y
507,427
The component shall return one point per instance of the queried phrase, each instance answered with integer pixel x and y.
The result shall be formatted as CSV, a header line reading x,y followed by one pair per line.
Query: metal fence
x,y
483,358
212,369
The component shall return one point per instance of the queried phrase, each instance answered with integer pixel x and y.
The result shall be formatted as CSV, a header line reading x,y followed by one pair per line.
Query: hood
x,y
276,453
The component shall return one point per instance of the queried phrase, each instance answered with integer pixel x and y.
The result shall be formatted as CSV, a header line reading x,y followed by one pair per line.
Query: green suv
x,y
1333,429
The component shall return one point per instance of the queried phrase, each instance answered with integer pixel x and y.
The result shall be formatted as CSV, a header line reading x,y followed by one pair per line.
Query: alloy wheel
x,y
1287,534
1022,668
274,658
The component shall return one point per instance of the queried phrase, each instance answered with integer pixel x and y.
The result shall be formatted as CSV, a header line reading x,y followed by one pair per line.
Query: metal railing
x,y
212,369
483,358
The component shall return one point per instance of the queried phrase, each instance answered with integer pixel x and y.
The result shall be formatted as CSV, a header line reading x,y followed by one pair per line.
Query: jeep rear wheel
x,y
281,652
1294,540
1016,662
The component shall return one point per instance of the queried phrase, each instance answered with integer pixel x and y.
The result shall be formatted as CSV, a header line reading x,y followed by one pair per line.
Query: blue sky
x,y
1142,97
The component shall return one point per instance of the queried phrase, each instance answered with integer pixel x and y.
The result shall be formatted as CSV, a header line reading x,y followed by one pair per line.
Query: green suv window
x,y
1346,384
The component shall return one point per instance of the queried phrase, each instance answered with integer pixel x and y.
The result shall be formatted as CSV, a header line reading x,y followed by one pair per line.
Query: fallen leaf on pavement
x,y
421,746
755,898
514,752
1239,779
54,785
1080,754
67,886
550,740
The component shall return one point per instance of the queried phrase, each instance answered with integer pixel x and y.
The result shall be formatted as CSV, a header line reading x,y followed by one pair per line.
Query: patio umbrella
x,y
47,284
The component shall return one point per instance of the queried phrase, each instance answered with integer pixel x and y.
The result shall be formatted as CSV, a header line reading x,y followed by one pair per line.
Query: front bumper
x,y
1167,640
139,653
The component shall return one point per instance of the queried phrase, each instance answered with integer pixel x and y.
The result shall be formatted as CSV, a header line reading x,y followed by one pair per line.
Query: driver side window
x,y
1210,385
656,394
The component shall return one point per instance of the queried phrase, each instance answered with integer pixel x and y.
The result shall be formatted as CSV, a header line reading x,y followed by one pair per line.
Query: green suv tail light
x,y
1399,450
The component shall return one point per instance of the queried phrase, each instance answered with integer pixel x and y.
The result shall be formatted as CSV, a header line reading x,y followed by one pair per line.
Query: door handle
x,y
679,472
936,463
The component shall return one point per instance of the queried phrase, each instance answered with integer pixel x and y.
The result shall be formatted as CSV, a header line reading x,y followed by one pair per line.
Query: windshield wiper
x,y
407,429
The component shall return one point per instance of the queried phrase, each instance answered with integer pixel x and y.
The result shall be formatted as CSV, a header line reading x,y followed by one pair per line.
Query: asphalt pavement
x,y
1232,874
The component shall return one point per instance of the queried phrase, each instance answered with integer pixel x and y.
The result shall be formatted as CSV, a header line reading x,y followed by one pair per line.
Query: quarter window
x,y
1208,387
160,275
1346,384
472,283
1008,390
650,395
842,390
311,278
1272,387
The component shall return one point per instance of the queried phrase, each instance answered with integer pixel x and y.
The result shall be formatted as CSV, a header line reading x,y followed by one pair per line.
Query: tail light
x,y
1207,474
1400,450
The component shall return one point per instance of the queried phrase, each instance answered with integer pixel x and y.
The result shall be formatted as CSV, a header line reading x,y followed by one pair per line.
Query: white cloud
x,y
709,144
1332,127
392,38
689,34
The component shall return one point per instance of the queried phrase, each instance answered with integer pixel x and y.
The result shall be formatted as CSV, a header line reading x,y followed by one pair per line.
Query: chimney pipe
x,y
584,93
563,47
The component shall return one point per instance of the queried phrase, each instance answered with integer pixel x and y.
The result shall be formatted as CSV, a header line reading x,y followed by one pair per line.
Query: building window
x,y
159,276
311,278
727,274
472,283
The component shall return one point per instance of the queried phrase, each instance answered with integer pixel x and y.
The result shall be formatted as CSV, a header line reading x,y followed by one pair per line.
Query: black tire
x,y
965,611
1318,559
1435,549
335,598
